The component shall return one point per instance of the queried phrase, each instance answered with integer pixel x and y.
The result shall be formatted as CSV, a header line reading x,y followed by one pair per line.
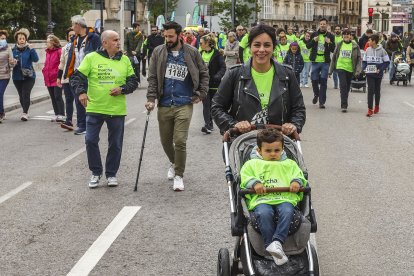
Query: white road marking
x,y
411,105
51,112
129,121
14,192
92,256
70,157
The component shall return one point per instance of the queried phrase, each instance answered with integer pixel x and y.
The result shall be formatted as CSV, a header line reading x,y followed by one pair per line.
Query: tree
x,y
157,7
245,11
32,14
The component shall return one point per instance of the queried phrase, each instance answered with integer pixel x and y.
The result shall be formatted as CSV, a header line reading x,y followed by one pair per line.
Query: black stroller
x,y
401,70
249,256
358,83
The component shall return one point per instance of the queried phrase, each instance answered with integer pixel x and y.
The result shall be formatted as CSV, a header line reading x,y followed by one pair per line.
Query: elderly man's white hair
x,y
77,19
107,34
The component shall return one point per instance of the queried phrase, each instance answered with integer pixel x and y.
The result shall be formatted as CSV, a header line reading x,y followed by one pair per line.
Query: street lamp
x,y
384,10
50,24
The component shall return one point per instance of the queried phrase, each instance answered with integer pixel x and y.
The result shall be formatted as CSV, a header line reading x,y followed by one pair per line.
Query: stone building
x,y
298,13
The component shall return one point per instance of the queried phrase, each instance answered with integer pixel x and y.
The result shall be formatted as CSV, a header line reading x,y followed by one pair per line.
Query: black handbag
x,y
27,72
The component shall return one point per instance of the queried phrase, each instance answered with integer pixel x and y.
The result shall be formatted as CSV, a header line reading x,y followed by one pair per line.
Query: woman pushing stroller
x,y
261,91
273,169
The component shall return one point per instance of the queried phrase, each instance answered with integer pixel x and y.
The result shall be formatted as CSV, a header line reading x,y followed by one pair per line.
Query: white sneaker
x,y
301,85
280,262
93,183
60,118
178,184
307,86
171,172
276,250
112,181
24,117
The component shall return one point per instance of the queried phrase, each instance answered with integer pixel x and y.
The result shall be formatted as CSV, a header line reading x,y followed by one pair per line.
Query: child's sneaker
x,y
370,112
276,250
280,262
24,117
171,172
376,109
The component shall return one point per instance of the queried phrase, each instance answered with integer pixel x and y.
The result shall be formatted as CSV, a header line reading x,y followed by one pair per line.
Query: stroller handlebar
x,y
274,190
236,131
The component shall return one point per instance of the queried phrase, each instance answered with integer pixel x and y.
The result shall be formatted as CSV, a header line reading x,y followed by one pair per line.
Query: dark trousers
x,y
115,140
374,90
208,120
69,99
55,93
3,85
24,88
80,113
345,78
319,77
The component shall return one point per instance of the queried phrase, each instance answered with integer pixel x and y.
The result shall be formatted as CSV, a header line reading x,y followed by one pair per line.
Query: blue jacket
x,y
93,43
24,59
294,60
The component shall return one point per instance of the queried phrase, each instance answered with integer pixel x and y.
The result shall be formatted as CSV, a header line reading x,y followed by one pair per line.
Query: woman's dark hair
x,y
269,135
68,30
375,38
262,29
5,33
173,25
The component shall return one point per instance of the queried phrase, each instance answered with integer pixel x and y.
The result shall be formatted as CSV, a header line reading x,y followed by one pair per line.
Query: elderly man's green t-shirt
x,y
104,74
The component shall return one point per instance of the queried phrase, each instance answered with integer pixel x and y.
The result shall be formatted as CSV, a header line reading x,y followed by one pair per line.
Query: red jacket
x,y
51,68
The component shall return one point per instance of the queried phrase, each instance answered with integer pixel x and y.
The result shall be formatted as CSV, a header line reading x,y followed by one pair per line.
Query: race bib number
x,y
282,54
176,71
371,69
321,47
346,54
305,52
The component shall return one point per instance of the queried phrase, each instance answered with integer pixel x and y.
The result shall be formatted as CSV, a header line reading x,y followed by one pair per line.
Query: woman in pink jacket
x,y
50,73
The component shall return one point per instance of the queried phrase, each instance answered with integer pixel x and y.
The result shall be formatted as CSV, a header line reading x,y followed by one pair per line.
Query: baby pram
x,y
358,83
402,69
249,256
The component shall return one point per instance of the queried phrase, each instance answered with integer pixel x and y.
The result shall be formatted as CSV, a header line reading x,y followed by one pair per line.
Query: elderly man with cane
x,y
102,80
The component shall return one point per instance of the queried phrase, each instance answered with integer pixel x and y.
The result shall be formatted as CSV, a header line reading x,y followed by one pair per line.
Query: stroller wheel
x,y
315,261
223,262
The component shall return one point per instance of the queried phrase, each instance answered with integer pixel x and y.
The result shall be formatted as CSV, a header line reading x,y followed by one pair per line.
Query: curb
x,y
37,99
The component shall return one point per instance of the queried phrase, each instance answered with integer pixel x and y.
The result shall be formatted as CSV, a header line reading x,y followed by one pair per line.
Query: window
x,y
95,4
267,9
129,5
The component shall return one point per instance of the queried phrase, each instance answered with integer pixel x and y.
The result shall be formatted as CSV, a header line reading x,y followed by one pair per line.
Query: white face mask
x,y
3,43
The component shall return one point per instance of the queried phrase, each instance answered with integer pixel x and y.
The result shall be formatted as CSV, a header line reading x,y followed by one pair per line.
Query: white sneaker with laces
x,y
24,117
112,181
276,250
171,172
178,184
93,183
280,262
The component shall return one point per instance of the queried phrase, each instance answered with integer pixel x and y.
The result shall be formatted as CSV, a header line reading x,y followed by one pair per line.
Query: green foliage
x,y
244,12
157,7
32,14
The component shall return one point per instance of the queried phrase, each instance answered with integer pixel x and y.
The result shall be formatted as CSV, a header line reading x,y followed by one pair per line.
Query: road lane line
x,y
129,121
92,256
15,191
70,157
411,105
73,155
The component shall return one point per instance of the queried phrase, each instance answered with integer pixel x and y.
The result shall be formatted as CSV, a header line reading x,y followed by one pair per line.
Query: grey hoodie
x,y
375,57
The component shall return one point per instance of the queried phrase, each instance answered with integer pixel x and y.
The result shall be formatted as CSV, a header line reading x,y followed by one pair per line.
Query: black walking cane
x,y
142,150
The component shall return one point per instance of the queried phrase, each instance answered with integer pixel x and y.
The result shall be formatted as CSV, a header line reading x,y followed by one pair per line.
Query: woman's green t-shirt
x,y
263,83
345,57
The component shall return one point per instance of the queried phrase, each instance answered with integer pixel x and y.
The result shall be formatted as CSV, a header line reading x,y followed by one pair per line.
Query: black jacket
x,y
152,42
216,69
313,45
362,41
237,98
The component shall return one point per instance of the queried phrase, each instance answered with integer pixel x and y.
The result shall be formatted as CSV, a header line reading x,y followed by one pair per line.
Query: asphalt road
x,y
360,169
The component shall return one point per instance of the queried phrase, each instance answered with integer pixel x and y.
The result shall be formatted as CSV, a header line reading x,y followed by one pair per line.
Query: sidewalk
x,y
39,93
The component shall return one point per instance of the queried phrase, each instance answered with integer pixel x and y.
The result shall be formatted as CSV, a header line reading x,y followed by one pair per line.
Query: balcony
x,y
327,1
286,17
330,18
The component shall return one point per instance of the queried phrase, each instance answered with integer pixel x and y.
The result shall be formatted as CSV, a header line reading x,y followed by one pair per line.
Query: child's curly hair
x,y
269,135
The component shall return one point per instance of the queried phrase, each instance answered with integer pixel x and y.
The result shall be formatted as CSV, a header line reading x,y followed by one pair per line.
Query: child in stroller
x,y
249,255
402,69
272,170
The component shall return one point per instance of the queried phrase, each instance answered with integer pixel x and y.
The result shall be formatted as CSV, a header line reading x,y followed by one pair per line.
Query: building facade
x,y
301,14
349,13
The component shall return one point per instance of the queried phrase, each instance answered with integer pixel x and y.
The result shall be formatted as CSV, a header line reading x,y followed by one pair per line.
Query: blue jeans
x,y
69,99
80,113
304,75
265,218
319,77
115,139
335,78
3,85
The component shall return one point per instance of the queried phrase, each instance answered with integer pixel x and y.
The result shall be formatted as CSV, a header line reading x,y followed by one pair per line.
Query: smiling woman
x,y
260,91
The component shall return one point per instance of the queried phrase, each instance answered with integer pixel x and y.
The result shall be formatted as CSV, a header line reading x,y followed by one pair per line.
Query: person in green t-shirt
x,y
244,49
305,52
281,49
346,60
101,82
272,169
338,38
290,36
